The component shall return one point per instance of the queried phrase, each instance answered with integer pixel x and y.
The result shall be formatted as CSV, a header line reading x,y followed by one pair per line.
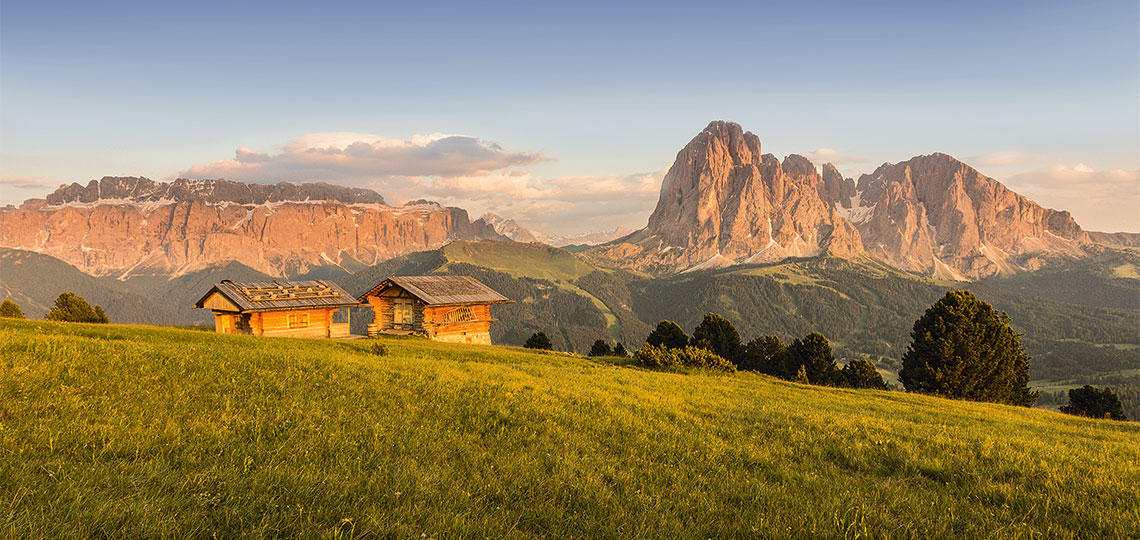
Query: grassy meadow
x,y
144,432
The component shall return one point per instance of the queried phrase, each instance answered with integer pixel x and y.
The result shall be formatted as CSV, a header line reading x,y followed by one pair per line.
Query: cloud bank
x,y
455,170
1100,200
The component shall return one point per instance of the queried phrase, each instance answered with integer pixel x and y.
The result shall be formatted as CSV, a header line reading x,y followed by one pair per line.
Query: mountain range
x,y
723,202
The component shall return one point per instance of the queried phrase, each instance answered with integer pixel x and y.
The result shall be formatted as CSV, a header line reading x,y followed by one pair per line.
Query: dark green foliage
x,y
10,310
540,341
766,354
33,280
668,334
684,357
619,350
813,356
965,349
613,289
1096,403
718,335
379,349
860,373
601,348
72,308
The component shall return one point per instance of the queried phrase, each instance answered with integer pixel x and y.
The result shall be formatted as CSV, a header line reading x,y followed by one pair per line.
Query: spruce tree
x,y
70,307
813,355
1096,403
860,373
767,354
669,335
963,348
601,348
540,341
10,310
717,334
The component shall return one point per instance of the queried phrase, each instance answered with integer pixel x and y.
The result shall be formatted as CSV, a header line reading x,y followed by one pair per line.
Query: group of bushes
x,y
809,360
69,307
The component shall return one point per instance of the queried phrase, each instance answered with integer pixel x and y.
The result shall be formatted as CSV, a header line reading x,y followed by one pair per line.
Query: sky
x,y
565,116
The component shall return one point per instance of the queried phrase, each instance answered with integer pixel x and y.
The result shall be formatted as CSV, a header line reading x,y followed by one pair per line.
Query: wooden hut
x,y
280,308
455,309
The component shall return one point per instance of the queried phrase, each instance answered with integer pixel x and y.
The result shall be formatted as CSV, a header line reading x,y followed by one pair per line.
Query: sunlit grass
x,y
112,431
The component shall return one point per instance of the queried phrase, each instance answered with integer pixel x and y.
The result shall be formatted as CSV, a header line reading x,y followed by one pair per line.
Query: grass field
x,y
141,432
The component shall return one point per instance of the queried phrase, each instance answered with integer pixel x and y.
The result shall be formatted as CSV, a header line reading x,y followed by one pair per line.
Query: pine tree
x,y
717,334
10,310
540,341
601,348
669,335
619,350
965,349
813,356
767,354
1096,403
70,307
860,373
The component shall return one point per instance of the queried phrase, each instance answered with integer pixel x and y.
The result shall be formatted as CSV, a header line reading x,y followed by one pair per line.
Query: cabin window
x,y
298,320
462,313
402,312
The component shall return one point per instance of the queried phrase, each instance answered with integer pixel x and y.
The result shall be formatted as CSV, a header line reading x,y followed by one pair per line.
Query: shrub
x,y
539,341
718,335
860,373
963,348
10,310
619,350
70,307
1096,403
669,335
379,349
601,348
686,357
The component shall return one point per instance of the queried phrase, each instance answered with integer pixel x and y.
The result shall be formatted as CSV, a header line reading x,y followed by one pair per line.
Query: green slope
x,y
109,431
33,281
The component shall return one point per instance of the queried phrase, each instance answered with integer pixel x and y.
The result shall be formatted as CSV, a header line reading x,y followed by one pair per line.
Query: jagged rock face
x,y
135,225
724,202
507,227
136,189
937,216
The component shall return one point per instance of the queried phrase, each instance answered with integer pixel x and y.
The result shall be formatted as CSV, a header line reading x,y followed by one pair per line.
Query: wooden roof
x,y
279,295
442,290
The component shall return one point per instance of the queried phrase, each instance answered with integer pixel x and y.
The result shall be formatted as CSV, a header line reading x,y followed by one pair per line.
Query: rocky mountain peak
x,y
139,189
722,202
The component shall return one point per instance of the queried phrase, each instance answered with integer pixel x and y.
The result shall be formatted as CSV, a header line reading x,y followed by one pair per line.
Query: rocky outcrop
x,y
120,226
137,189
508,228
937,216
723,202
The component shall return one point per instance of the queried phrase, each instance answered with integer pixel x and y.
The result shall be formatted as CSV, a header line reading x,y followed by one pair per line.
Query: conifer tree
x,y
965,349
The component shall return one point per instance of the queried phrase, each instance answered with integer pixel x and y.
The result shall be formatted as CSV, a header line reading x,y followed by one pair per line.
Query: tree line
x,y
961,348
69,307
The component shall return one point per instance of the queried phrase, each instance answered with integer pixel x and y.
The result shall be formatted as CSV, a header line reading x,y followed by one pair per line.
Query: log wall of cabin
x,y
383,308
276,324
473,327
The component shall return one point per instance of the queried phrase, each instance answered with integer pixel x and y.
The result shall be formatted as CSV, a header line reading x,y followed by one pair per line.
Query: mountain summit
x,y
723,202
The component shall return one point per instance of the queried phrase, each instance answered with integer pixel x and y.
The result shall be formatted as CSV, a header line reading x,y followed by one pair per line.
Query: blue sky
x,y
569,113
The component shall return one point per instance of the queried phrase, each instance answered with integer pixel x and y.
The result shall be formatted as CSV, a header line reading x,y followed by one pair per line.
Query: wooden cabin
x,y
455,309
317,309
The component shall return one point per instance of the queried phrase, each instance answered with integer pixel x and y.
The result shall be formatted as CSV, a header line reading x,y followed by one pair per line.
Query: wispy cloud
x,y
831,155
27,182
455,170
1098,199
1007,158
357,157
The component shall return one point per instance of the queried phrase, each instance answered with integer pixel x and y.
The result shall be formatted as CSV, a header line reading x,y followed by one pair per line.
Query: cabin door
x,y
402,318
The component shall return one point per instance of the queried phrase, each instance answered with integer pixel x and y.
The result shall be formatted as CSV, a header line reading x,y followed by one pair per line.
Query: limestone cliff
x,y
119,226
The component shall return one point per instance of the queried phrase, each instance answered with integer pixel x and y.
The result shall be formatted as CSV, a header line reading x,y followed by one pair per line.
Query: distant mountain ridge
x,y
723,202
135,226
138,189
511,229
